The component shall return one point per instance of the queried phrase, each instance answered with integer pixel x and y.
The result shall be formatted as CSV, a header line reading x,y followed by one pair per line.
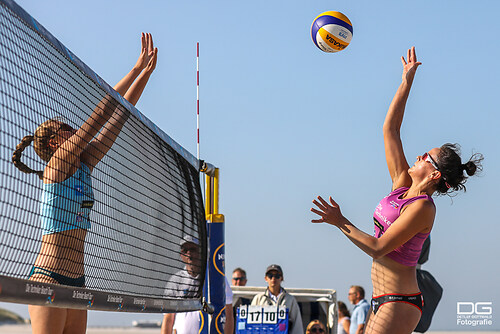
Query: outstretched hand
x,y
148,52
329,212
410,65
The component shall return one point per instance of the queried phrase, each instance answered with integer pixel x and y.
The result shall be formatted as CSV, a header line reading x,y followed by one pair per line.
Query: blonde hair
x,y
43,134
312,323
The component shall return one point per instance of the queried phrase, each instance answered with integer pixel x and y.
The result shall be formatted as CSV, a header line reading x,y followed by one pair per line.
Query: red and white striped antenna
x,y
198,99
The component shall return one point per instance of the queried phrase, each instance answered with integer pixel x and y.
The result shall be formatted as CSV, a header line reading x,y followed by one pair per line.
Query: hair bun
x,y
470,168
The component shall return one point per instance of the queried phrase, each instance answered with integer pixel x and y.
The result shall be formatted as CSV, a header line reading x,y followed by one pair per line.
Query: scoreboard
x,y
261,319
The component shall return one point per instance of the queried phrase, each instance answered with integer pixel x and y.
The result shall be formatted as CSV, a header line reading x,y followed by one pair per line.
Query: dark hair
x,y
452,170
241,271
343,309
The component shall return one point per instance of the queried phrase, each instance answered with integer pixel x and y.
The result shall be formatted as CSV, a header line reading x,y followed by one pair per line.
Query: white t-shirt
x,y
229,293
189,322
182,285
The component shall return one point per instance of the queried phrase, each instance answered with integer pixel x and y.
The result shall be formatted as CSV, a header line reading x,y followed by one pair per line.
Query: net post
x,y
215,281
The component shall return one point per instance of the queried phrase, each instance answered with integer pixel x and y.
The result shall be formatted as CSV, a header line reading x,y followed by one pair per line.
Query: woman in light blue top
x,y
67,197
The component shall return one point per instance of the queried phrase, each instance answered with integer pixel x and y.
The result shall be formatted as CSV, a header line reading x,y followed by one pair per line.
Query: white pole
x,y
198,98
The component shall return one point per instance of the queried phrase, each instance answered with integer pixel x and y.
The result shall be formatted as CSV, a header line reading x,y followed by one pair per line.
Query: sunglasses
x,y
239,278
184,250
427,157
317,330
65,127
270,276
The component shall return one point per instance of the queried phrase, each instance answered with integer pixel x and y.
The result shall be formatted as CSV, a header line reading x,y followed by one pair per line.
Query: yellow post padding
x,y
218,218
208,196
212,195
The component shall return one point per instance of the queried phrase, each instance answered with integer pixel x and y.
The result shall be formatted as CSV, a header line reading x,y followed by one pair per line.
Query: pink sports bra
x,y
386,213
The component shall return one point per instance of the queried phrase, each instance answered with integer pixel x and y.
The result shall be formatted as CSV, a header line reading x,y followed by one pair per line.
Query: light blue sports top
x,y
66,205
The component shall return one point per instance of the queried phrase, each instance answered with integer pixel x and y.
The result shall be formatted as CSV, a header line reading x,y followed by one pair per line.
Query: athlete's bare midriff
x,y
63,252
388,276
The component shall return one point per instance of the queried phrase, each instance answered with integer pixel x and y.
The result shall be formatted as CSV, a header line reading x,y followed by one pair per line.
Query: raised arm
x,y
69,151
417,217
145,56
131,87
394,154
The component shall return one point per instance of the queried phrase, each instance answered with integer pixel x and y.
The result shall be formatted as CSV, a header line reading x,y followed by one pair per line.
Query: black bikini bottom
x,y
415,299
61,279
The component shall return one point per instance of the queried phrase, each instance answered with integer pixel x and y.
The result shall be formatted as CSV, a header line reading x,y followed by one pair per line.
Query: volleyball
x,y
331,31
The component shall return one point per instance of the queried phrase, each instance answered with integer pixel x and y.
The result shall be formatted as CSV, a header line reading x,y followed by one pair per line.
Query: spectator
x,y
360,311
276,295
344,319
184,284
315,327
239,277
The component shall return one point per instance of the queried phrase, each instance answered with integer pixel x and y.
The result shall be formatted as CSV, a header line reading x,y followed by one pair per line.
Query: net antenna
x,y
198,99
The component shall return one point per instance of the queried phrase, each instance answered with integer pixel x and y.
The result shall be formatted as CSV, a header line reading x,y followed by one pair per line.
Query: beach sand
x,y
26,329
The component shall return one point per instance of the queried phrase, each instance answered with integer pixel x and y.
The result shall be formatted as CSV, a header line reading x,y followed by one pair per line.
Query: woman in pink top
x,y
404,218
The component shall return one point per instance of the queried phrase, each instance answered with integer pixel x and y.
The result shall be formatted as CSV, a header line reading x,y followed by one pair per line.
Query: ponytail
x,y
16,157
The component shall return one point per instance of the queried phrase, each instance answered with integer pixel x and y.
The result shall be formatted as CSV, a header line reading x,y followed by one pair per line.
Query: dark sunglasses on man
x,y
317,329
239,278
270,276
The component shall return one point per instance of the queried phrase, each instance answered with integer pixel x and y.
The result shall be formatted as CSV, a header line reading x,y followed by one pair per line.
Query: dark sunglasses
x,y
427,157
270,276
184,250
317,330
65,127
239,278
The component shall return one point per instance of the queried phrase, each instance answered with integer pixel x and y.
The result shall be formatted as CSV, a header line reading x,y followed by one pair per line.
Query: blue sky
x,y
286,122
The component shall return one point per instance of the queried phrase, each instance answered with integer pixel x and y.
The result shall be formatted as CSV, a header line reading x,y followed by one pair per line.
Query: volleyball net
x,y
147,199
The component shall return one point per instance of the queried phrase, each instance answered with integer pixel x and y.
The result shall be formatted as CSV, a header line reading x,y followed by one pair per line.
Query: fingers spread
x,y
317,212
325,204
319,205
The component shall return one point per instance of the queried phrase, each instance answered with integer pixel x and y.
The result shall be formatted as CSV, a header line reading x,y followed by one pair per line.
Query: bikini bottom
x,y
61,279
414,299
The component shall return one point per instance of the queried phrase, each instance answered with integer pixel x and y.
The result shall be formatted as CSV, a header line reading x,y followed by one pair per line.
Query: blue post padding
x,y
215,279
204,316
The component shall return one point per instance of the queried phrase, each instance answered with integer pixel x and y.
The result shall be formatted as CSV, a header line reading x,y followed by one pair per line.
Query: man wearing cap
x,y
276,295
184,284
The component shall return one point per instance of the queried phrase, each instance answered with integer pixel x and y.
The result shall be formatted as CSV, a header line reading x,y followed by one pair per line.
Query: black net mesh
x,y
147,199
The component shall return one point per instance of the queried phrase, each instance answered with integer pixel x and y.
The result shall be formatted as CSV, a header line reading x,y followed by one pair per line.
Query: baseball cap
x,y
189,239
274,267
